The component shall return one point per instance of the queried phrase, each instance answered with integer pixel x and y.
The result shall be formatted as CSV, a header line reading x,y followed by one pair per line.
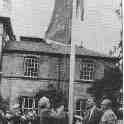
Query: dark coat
x,y
45,117
16,119
62,119
48,117
95,116
3,120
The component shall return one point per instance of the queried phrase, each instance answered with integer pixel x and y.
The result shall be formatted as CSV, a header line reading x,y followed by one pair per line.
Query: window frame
x,y
80,101
23,108
33,61
83,63
79,110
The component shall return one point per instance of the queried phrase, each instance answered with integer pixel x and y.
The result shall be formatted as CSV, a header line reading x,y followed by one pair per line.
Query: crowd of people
x,y
99,115
45,114
48,115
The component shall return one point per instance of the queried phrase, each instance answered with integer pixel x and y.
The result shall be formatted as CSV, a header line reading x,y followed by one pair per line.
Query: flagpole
x,y
72,67
1,47
71,83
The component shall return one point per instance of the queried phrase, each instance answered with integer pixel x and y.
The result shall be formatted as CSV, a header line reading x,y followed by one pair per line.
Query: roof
x,y
31,46
8,27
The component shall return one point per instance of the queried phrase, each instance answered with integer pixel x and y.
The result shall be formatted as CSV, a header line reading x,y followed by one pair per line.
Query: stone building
x,y
31,64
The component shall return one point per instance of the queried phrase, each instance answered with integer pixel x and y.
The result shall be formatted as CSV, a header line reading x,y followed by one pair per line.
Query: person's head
x,y
106,104
1,112
90,103
34,112
30,115
15,109
44,102
8,115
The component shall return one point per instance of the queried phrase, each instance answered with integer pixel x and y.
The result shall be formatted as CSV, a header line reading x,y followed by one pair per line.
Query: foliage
x,y
108,87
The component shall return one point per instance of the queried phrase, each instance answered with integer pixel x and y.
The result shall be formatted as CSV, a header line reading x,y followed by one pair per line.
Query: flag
x,y
59,29
80,9
77,7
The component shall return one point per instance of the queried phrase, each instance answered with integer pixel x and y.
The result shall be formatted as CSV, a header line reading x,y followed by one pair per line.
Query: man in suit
x,y
93,114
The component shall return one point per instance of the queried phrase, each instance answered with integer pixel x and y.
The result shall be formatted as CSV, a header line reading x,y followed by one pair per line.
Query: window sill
x,y
86,81
31,78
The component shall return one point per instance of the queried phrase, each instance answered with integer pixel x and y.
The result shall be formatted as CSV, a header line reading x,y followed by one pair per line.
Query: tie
x,y
91,113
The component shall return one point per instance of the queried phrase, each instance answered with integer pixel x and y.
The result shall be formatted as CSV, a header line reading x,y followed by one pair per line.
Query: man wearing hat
x,y
108,116
93,113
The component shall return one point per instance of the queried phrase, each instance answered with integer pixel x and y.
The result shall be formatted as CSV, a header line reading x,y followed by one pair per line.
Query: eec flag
x,y
59,29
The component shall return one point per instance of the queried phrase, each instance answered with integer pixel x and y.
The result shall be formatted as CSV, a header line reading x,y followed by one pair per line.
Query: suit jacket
x,y
93,118
45,117
49,117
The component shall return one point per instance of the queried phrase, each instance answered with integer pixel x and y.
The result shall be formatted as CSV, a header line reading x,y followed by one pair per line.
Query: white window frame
x,y
28,108
31,63
88,74
80,110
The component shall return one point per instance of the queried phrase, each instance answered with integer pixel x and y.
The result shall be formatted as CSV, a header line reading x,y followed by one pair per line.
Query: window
x,y
29,103
87,71
80,107
31,66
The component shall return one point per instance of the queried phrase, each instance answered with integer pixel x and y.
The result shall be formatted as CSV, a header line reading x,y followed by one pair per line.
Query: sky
x,y
98,31
101,26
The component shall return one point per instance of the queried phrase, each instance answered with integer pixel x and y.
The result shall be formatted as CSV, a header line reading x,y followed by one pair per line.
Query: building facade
x,y
31,65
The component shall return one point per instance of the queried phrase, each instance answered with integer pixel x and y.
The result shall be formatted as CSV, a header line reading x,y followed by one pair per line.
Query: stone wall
x,y
52,70
13,65
14,84
12,88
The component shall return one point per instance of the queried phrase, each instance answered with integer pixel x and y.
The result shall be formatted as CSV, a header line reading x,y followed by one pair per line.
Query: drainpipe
x,y
1,47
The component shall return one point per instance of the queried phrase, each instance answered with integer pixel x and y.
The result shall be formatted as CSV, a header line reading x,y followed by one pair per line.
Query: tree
x,y
108,87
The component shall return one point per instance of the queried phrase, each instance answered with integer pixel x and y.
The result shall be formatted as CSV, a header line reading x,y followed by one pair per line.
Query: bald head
x,y
44,102
90,103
